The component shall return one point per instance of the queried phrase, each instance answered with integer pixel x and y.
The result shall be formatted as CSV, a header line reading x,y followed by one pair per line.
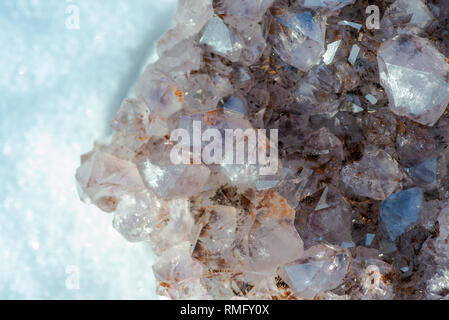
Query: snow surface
x,y
59,89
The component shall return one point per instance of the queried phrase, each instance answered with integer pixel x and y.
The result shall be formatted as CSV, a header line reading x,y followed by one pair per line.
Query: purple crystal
x,y
358,206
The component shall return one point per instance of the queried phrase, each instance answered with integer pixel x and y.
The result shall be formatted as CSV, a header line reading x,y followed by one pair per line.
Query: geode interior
x,y
360,206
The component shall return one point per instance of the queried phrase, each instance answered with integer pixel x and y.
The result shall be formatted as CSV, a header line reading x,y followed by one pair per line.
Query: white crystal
x,y
372,99
328,4
219,39
251,9
200,93
322,204
156,164
158,91
217,236
103,179
406,14
356,108
249,38
137,215
321,268
191,16
300,42
415,76
354,25
373,285
174,180
272,239
180,60
178,274
331,51
143,216
176,225
355,50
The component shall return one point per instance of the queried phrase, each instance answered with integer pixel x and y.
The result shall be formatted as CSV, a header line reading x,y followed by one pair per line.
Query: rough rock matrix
x,y
359,207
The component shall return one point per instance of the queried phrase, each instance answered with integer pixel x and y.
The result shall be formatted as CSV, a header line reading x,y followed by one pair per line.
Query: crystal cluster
x,y
359,206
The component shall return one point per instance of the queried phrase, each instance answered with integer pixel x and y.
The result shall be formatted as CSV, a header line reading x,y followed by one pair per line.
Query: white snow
x,y
59,89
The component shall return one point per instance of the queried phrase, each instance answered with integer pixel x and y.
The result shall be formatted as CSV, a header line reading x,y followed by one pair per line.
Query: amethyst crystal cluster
x,y
359,208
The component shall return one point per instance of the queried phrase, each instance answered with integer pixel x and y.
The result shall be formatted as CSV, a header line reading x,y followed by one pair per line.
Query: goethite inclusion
x,y
359,207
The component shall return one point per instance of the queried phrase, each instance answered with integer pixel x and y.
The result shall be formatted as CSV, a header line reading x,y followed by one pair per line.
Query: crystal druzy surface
x,y
359,207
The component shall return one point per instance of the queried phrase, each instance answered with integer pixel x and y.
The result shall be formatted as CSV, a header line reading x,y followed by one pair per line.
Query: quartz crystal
x,y
313,219
320,269
328,4
300,39
406,14
221,40
425,172
401,210
250,9
103,178
168,179
357,129
376,176
415,76
190,18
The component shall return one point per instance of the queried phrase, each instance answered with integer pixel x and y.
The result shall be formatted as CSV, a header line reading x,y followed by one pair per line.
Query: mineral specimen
x,y
299,40
400,211
406,14
416,78
321,268
376,176
357,204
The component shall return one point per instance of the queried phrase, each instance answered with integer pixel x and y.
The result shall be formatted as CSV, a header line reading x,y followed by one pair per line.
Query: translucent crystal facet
x,y
406,15
103,178
425,172
376,176
251,9
327,4
415,76
219,38
300,41
401,210
321,268
326,219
